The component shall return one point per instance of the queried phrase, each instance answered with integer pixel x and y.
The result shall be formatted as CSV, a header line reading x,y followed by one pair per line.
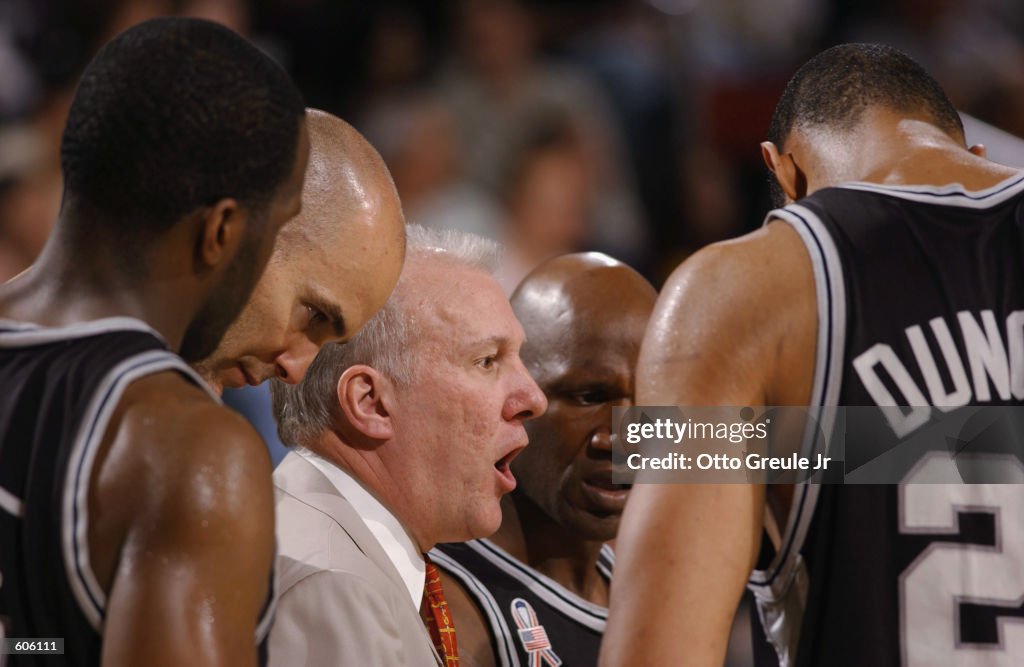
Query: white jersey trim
x,y
785,575
953,194
606,562
587,614
11,503
75,512
21,334
830,290
503,637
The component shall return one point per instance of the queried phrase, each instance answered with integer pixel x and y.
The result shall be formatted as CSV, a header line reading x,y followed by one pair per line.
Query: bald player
x,y
900,253
332,268
547,567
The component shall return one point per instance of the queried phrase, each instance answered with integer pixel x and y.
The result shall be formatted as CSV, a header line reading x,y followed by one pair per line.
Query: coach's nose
x,y
525,400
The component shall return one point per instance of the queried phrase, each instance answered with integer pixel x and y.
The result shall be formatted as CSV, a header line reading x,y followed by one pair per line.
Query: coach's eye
x,y
487,363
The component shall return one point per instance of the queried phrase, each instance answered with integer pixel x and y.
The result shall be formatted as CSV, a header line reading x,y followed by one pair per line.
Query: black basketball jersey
x,y
920,303
532,620
60,387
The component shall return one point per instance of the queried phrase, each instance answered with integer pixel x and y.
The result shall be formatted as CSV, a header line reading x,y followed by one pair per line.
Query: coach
x,y
403,439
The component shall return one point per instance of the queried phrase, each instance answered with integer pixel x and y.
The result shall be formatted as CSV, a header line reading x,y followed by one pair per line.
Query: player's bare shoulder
x,y
174,457
474,637
742,310
764,264
176,423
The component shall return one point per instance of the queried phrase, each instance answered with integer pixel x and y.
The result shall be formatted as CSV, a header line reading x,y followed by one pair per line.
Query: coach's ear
x,y
786,171
361,393
979,150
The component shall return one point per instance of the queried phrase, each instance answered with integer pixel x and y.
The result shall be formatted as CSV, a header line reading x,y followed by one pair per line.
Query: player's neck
x,y
68,284
889,148
551,548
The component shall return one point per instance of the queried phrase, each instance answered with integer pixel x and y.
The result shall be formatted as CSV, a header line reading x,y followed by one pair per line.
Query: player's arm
x,y
193,570
718,336
470,627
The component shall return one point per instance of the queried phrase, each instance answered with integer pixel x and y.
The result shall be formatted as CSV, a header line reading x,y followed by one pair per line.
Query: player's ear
x,y
785,170
979,150
363,396
222,226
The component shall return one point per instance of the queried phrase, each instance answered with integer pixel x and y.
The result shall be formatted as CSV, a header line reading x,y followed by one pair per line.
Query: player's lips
x,y
238,376
250,379
506,480
233,377
604,494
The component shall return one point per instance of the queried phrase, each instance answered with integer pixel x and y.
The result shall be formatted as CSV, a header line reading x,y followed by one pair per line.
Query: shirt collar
x,y
383,525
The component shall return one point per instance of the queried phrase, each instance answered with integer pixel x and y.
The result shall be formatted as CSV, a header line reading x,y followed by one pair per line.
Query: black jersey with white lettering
x,y
60,387
532,620
920,303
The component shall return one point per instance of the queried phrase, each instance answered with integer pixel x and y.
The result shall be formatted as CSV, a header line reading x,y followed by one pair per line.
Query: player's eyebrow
x,y
332,311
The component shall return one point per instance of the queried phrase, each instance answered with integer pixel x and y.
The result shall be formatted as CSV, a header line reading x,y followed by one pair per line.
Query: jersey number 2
x,y
946,575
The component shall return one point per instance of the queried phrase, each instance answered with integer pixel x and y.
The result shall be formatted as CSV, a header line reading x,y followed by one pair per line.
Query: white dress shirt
x,y
392,536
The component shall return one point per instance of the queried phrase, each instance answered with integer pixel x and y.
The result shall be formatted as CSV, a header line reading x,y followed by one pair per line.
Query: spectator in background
x,y
973,48
546,192
416,134
498,89
29,198
43,45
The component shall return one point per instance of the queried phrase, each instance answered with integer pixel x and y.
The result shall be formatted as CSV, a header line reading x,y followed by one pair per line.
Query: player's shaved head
x,y
571,295
346,179
333,267
584,316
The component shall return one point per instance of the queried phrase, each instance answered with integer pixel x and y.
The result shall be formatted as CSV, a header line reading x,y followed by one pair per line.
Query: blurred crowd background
x,y
629,126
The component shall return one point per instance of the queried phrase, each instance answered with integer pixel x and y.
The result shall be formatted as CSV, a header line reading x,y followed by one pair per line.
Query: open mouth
x,y
503,464
504,470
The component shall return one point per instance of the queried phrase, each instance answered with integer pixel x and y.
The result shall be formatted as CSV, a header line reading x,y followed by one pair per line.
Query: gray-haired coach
x,y
402,439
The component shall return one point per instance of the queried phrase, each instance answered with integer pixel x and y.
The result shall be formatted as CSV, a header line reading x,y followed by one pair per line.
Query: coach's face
x,y
459,422
585,367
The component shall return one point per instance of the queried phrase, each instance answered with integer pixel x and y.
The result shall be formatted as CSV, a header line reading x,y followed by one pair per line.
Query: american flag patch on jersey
x,y
533,635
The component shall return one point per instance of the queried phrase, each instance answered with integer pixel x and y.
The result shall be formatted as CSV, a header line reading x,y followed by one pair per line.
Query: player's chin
x,y
596,525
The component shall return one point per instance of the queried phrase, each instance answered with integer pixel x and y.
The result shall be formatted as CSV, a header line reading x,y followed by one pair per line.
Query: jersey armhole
x,y
501,634
74,522
784,578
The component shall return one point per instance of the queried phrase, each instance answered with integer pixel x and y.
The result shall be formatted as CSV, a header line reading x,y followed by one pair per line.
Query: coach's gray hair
x,y
308,409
